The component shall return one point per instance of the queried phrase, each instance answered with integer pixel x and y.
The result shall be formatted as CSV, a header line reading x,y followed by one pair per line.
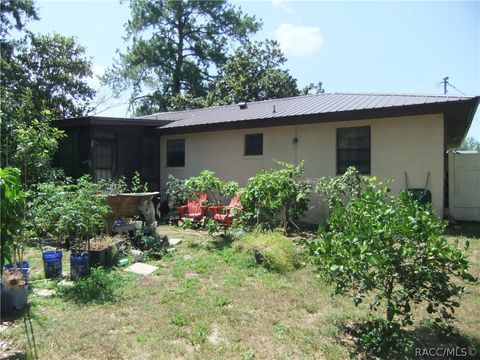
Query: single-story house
x,y
386,135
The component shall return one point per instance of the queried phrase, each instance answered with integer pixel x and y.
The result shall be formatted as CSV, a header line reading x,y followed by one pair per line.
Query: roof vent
x,y
274,110
242,105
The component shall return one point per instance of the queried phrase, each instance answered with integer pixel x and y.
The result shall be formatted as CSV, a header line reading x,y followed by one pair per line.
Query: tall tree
x,y
176,48
57,69
254,72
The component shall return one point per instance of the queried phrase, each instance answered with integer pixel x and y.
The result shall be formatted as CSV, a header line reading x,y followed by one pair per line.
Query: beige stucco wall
x,y
413,144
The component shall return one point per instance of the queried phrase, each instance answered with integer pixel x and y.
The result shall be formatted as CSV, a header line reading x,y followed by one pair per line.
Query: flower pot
x,y
52,263
97,257
79,265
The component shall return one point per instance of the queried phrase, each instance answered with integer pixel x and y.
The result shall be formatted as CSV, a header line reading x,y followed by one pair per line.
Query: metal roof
x,y
299,106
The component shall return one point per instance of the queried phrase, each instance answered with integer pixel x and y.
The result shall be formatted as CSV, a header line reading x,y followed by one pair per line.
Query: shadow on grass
x,y
29,333
423,342
465,228
100,287
220,242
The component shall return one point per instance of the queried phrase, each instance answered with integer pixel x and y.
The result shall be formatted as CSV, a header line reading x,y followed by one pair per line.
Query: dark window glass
x,y
176,153
353,149
253,144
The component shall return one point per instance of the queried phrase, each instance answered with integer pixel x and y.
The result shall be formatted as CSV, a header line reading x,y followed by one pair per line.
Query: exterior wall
x,y
464,185
414,144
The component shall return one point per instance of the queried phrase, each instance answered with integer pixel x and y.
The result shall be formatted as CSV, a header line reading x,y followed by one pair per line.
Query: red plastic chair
x,y
194,209
223,214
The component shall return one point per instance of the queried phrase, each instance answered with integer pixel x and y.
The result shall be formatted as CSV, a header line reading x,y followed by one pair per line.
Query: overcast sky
x,y
393,47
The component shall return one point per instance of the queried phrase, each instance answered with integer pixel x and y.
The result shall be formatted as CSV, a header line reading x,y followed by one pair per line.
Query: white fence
x,y
464,185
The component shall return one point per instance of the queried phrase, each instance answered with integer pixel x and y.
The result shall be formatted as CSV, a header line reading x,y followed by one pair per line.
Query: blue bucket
x,y
52,263
79,265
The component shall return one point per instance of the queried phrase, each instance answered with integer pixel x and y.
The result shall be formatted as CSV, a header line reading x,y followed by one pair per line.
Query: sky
x,y
350,46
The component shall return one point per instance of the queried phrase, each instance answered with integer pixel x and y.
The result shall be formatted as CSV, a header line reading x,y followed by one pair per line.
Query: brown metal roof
x,y
300,106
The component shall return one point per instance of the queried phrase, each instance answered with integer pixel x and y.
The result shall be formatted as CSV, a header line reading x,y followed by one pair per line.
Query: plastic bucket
x,y
79,265
52,263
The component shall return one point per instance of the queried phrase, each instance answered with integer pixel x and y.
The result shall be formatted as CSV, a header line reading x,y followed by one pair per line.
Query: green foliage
x,y
254,72
470,143
270,192
178,192
43,76
271,250
100,287
56,69
391,246
205,182
12,210
76,210
176,47
137,186
36,144
379,337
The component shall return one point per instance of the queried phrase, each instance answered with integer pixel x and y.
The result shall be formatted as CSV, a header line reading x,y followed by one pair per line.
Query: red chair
x,y
224,214
195,209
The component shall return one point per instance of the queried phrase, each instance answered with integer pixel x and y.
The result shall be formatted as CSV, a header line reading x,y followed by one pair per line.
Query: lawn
x,y
207,301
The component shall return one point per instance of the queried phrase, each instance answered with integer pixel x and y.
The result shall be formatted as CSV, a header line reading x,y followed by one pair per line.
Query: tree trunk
x,y
390,305
177,73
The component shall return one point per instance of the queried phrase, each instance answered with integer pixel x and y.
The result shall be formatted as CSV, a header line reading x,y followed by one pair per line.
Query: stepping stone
x,y
44,292
141,268
173,242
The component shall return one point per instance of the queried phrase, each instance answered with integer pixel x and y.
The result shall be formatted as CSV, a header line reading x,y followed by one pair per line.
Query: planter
x,y
79,265
14,299
52,263
106,256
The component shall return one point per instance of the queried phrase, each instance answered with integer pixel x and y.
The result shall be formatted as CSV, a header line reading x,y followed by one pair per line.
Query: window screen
x,y
176,153
353,149
253,144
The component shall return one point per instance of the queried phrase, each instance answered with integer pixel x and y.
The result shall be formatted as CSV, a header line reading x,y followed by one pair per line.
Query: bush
x,y
12,211
270,192
391,246
271,250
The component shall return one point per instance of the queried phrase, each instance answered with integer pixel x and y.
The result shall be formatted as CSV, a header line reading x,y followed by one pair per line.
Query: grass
x,y
207,300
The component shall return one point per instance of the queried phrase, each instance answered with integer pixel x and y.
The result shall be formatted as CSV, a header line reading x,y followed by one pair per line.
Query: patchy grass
x,y
209,301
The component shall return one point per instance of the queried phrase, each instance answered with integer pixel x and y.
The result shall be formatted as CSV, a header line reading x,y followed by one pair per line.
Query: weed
x,y
179,319
100,286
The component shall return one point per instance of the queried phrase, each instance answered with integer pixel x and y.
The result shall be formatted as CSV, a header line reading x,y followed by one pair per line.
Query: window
x,y
353,149
176,153
253,144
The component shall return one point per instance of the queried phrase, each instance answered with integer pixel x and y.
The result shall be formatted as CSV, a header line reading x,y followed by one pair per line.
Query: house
x,y
390,136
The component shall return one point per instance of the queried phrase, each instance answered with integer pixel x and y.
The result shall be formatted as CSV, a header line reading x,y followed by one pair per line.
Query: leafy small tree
x,y
178,192
12,209
391,246
270,192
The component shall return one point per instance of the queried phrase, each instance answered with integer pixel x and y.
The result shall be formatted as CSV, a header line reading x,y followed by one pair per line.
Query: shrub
x,y
178,192
12,210
68,209
391,246
270,192
271,250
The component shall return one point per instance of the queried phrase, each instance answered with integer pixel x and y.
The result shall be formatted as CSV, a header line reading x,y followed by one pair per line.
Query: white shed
x,y
464,185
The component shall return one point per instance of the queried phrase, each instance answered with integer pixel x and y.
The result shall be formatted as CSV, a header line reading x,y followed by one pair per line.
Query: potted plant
x,y
44,211
83,217
104,250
